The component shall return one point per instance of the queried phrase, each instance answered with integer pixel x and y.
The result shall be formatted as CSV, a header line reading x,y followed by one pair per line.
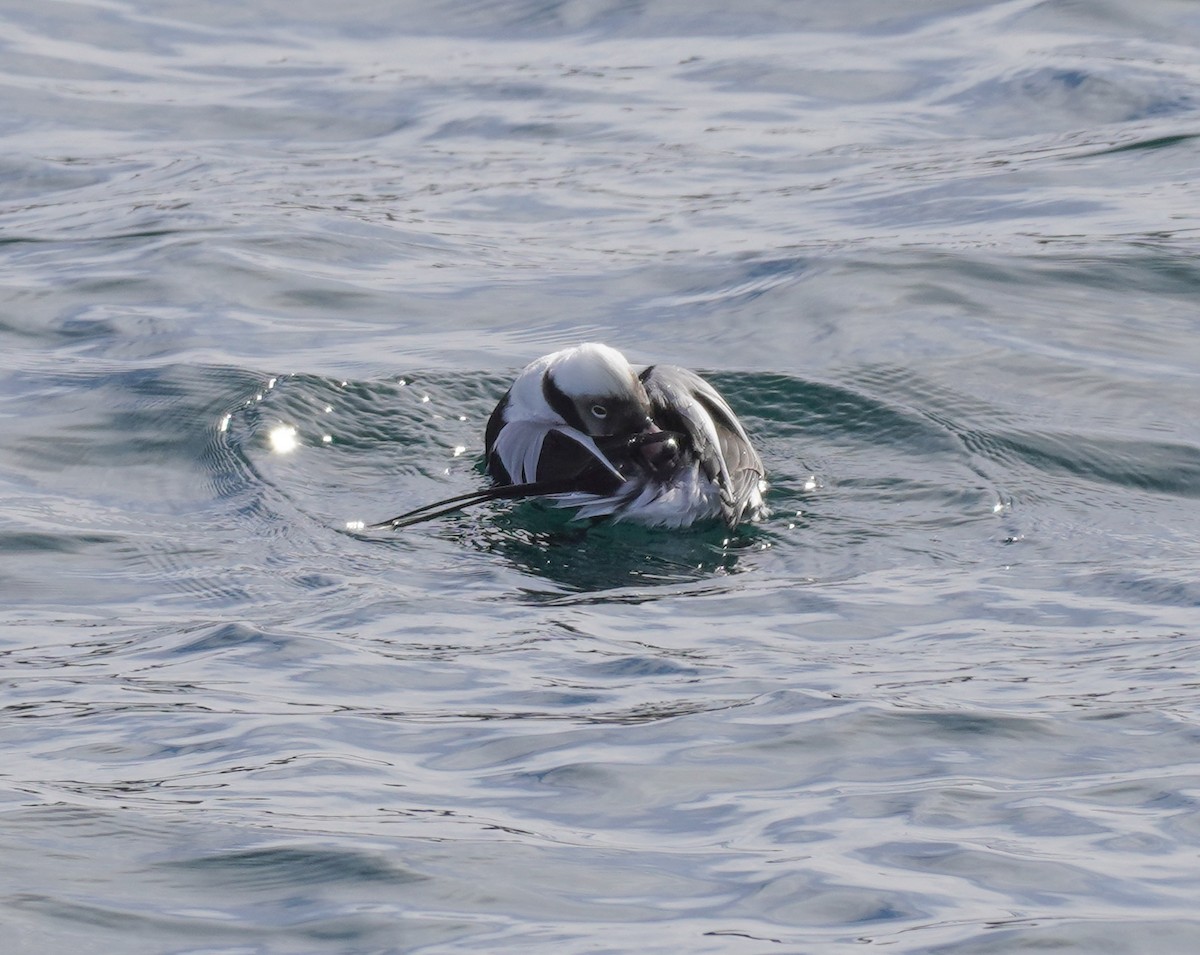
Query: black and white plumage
x,y
582,429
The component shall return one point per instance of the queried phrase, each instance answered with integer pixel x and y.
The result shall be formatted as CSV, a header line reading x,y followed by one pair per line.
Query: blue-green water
x,y
943,259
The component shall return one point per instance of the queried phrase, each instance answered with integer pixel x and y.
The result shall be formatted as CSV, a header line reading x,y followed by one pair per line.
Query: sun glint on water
x,y
283,439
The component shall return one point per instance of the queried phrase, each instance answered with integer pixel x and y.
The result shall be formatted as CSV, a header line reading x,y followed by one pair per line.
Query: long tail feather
x,y
506,492
509,492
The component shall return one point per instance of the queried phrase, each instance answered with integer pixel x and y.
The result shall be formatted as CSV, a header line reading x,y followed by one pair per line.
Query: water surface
x,y
942,260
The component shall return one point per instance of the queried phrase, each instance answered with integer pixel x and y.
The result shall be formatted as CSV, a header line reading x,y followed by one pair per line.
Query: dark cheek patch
x,y
565,407
630,421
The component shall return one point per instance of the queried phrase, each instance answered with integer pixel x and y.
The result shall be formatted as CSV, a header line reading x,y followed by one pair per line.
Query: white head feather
x,y
590,369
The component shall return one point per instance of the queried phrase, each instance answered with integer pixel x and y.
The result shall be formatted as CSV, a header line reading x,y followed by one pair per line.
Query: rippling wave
x,y
268,267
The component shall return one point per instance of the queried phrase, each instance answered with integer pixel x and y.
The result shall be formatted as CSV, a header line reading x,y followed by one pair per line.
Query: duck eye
x,y
600,411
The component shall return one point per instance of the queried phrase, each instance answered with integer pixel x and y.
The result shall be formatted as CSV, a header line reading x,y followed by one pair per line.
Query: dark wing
x,y
566,462
533,451
683,401
494,465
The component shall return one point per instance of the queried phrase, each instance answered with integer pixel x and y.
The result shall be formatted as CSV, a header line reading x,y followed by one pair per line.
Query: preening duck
x,y
582,429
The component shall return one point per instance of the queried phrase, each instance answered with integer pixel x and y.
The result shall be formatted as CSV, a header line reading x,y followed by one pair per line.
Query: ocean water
x,y
266,267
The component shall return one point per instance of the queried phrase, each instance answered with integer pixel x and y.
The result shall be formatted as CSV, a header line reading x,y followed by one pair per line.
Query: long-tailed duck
x,y
582,429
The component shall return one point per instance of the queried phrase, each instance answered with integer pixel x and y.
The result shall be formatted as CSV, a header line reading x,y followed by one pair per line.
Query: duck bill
x,y
652,448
